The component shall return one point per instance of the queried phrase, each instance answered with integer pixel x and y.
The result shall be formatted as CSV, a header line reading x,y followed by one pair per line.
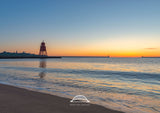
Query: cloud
x,y
150,48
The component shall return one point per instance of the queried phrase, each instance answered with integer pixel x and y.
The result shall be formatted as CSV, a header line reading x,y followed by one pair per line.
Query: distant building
x,y
9,54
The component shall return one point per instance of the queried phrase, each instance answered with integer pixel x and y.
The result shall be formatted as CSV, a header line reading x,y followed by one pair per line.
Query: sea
x,y
131,85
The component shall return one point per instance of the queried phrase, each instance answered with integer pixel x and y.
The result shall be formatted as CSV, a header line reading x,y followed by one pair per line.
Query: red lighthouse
x,y
43,51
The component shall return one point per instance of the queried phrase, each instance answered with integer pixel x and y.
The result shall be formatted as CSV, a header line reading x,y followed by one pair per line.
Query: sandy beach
x,y
19,100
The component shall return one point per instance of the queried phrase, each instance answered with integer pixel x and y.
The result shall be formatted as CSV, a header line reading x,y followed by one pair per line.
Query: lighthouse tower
x,y
43,51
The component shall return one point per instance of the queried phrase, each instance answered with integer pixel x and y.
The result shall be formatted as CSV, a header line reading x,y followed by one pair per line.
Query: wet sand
x,y
19,100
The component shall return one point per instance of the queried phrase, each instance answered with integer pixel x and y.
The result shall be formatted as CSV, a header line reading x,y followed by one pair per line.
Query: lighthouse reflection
x,y
42,65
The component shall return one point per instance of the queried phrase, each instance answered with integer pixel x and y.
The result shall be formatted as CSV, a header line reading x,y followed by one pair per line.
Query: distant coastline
x,y
86,56
149,57
16,55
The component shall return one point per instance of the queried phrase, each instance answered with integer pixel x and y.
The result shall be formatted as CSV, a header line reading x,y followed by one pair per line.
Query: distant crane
x,y
43,51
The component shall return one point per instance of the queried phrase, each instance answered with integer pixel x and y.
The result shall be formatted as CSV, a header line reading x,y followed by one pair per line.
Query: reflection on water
x,y
42,65
42,74
127,84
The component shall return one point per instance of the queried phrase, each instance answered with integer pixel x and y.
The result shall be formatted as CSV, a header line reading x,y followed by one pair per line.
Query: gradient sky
x,y
119,28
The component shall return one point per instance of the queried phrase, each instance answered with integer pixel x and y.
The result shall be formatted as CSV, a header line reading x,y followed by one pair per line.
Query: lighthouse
x,y
43,51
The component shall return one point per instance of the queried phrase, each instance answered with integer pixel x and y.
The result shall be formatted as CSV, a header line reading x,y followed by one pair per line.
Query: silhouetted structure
x,y
10,55
16,55
43,51
5,54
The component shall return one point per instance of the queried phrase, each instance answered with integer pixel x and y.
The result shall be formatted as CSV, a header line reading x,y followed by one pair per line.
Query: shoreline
x,y
19,100
30,57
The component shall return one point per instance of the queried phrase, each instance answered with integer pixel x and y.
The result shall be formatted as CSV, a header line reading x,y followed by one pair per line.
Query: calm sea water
x,y
126,84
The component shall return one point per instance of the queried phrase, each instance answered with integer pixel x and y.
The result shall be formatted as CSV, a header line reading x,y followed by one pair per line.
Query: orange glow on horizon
x,y
96,53
91,50
133,53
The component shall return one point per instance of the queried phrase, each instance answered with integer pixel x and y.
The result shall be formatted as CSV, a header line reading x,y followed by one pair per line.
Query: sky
x,y
118,28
